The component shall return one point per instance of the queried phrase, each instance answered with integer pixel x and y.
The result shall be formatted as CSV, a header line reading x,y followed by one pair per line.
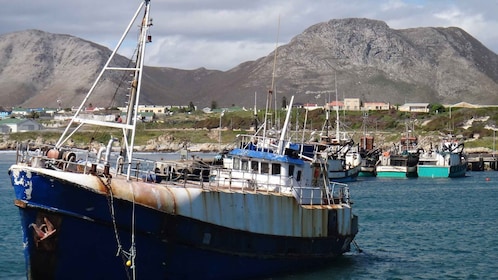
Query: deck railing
x,y
180,173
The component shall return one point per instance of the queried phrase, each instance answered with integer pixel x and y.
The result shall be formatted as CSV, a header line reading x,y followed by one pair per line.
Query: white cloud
x,y
212,54
220,34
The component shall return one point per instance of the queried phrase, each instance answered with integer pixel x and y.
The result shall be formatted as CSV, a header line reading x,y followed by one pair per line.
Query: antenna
x,y
270,91
275,56
336,109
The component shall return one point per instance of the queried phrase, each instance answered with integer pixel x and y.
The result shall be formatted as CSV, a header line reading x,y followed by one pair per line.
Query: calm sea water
x,y
409,229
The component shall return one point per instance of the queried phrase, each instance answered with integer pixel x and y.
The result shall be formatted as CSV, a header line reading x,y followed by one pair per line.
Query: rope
x,y
357,247
125,256
133,251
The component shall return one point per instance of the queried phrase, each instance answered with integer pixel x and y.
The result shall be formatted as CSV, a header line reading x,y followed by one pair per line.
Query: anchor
x,y
44,230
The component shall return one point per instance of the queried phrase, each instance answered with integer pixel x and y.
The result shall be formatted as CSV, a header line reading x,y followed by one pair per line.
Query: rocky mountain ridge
x,y
365,59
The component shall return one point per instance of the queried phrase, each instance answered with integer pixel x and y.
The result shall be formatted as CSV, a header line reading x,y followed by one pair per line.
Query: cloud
x,y
220,34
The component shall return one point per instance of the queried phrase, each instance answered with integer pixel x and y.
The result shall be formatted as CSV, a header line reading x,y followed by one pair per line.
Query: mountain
x,y
365,57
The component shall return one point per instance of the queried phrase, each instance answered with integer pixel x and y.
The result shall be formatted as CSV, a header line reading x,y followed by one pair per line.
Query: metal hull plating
x,y
435,171
171,243
447,160
344,176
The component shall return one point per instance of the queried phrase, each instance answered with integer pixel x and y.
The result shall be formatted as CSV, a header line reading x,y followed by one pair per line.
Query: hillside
x,y
368,60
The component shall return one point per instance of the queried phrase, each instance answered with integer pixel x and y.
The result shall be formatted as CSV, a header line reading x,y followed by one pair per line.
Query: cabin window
x,y
236,163
298,176
254,165
291,170
275,168
244,164
265,168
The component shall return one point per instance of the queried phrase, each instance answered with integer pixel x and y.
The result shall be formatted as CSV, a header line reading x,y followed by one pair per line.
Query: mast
x,y
270,91
336,110
255,114
128,128
132,114
284,129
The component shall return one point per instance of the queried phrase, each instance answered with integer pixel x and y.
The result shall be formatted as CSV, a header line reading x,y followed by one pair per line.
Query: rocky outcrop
x,y
368,60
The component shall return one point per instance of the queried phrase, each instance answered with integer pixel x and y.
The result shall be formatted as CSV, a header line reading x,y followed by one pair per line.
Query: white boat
x,y
401,161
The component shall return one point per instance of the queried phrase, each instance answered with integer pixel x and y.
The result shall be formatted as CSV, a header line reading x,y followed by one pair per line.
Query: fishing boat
x,y
341,152
342,156
446,160
108,215
368,152
401,160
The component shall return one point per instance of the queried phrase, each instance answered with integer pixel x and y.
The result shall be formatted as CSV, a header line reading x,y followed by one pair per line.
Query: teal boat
x,y
401,161
398,165
447,160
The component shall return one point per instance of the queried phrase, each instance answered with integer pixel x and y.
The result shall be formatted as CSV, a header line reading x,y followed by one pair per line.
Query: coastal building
x,y
376,106
4,129
311,106
414,107
156,109
19,111
352,104
19,125
335,105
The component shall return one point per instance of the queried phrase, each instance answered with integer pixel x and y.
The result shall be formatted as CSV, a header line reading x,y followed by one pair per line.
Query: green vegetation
x,y
198,127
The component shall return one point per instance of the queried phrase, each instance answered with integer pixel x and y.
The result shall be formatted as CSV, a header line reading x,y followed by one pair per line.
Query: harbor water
x,y
418,228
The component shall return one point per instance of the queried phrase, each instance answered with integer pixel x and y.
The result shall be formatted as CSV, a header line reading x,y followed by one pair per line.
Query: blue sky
x,y
220,34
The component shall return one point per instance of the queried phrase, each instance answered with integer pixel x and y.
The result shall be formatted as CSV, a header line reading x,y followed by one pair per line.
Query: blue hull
x,y
345,176
167,246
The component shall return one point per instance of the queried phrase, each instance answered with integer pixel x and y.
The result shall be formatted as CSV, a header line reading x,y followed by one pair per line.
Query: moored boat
x,y
401,165
401,160
343,158
85,215
369,157
446,160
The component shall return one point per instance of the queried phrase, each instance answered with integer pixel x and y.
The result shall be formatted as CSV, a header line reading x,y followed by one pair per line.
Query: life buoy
x,y
54,153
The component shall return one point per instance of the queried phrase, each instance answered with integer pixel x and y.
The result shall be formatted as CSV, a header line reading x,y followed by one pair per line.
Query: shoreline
x,y
162,146
165,147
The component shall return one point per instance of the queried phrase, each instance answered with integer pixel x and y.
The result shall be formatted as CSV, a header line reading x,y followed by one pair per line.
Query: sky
x,y
221,34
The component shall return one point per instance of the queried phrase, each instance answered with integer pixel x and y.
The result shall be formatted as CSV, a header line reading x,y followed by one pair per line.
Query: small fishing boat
x,y
85,215
401,161
343,158
369,156
446,160
341,152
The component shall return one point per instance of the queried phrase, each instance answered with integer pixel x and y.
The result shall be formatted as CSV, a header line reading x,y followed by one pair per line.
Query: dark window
x,y
291,170
275,168
244,164
254,165
265,168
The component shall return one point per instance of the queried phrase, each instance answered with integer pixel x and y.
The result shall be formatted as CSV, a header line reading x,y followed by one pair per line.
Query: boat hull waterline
x,y
436,171
169,230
